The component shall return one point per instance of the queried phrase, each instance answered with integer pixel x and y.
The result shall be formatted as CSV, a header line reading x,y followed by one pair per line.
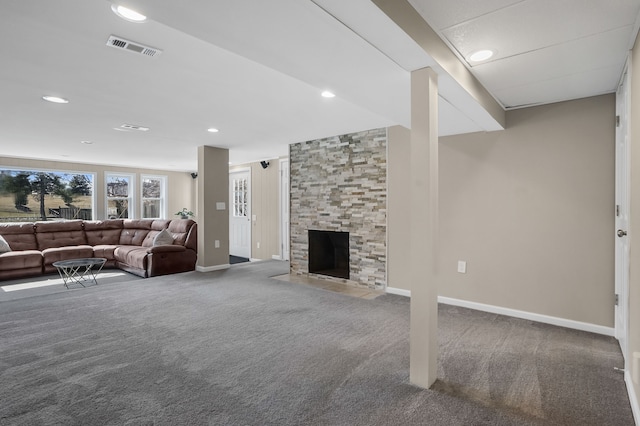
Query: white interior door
x,y
284,209
622,215
240,213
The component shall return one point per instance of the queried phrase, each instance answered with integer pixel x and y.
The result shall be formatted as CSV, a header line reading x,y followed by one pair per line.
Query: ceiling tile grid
x,y
543,49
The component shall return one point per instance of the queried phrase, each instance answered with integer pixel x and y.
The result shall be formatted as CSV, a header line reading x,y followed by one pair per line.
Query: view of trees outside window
x,y
152,197
28,195
119,196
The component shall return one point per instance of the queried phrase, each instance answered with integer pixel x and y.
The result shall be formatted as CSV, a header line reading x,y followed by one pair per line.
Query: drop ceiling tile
x,y
576,86
600,51
530,26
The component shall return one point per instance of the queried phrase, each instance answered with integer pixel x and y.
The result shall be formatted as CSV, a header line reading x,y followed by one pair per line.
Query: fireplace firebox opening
x,y
329,253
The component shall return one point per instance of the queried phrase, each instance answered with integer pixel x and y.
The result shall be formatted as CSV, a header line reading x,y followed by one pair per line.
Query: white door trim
x,y
247,253
284,197
622,193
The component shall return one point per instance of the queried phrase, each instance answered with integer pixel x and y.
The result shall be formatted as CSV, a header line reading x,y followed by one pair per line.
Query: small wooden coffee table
x,y
79,270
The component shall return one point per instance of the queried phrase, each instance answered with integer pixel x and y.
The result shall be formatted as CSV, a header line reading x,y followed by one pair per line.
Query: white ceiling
x,y
255,70
546,50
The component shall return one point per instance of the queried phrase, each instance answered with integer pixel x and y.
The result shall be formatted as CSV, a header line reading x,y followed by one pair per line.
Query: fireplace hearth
x,y
329,253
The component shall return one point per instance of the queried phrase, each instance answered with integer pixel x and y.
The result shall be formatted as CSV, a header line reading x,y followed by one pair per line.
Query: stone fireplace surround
x,y
340,184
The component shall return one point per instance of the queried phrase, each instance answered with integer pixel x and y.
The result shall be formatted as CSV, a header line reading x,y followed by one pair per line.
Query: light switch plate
x,y
220,205
462,266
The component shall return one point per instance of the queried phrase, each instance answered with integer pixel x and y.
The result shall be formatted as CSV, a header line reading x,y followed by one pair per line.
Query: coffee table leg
x,y
78,275
94,274
69,274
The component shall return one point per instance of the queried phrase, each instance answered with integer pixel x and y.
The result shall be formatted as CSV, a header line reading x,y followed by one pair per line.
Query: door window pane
x,y
240,198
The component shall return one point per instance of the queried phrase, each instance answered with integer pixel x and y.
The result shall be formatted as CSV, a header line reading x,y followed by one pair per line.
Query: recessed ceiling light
x,y
212,130
55,99
481,55
128,14
86,142
328,94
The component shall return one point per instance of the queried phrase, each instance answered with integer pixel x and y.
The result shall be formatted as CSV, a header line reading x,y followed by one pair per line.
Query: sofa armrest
x,y
166,248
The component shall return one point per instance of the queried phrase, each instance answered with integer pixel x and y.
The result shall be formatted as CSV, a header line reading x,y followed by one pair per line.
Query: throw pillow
x,y
4,245
163,238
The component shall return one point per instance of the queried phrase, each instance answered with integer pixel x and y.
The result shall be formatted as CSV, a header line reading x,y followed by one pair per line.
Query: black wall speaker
x,y
264,164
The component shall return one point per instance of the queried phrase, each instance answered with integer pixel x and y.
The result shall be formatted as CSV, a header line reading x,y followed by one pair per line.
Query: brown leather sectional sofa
x,y
126,244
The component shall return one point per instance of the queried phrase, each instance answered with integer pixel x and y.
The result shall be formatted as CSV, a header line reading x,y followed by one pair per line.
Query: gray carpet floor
x,y
236,347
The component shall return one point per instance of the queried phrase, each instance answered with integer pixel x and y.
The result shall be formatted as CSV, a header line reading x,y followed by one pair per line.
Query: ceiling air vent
x,y
121,43
134,127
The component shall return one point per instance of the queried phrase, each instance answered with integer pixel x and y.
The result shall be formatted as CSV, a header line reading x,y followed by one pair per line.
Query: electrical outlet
x,y
258,244
462,266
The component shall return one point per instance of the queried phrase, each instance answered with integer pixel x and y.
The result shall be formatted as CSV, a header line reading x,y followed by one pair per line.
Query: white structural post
x,y
424,227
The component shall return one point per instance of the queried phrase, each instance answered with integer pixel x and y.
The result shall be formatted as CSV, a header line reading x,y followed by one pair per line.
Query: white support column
x,y
424,227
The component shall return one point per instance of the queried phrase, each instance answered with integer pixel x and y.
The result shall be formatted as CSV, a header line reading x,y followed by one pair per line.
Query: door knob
x,y
621,233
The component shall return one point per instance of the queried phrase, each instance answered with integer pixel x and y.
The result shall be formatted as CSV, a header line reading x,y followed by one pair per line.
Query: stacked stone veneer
x,y
340,184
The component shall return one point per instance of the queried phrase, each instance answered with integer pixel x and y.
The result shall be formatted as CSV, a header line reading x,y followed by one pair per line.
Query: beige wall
x,y
182,192
179,184
530,209
265,187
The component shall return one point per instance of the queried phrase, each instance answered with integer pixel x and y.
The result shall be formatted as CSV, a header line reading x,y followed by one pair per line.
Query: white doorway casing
x,y
622,213
284,209
240,213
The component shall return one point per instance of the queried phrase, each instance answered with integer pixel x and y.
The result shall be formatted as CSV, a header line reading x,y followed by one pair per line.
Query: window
x,y
120,197
153,197
240,198
32,194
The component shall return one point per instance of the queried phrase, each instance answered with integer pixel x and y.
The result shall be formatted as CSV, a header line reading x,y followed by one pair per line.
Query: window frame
x,y
131,205
163,195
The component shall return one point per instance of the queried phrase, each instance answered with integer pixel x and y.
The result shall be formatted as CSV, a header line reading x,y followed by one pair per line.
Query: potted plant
x,y
185,214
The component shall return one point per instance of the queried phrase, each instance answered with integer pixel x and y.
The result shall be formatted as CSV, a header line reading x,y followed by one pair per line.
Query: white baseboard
x,y
212,268
546,319
562,322
633,399
275,257
253,259
398,291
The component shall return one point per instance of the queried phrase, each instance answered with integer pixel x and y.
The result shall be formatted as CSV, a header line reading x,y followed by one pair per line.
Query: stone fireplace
x,y
339,186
